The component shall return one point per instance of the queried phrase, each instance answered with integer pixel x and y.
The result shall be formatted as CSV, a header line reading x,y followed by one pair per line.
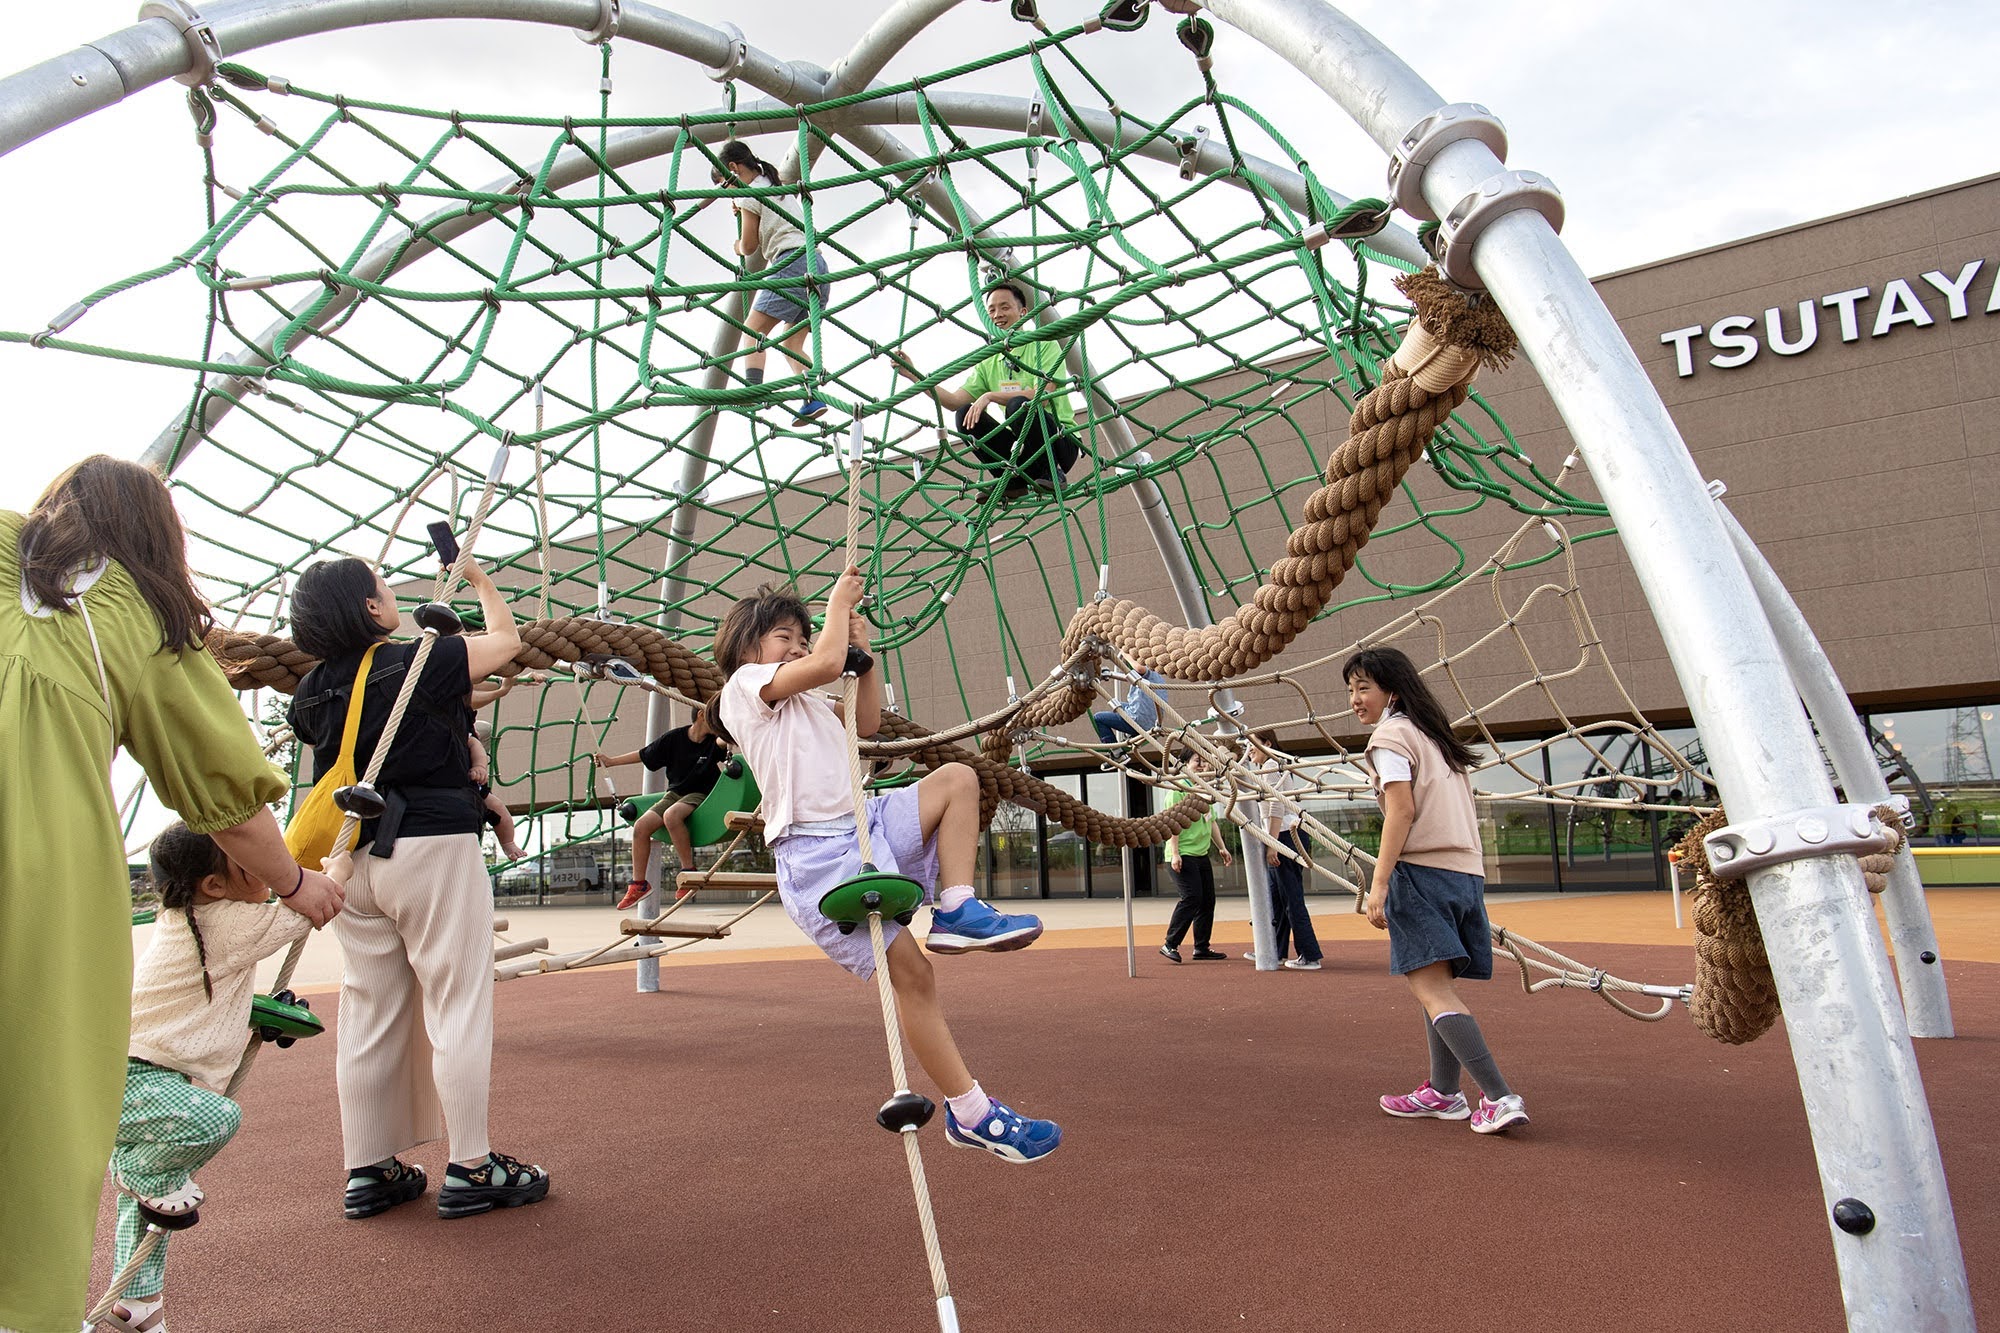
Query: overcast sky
x,y
1668,128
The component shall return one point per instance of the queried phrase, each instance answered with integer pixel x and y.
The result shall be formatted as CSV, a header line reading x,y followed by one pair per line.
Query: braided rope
x,y
1423,384
122,1279
269,661
892,1024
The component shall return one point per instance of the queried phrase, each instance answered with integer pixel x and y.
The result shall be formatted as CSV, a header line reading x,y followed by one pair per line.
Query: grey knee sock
x,y
1444,1065
1460,1032
755,374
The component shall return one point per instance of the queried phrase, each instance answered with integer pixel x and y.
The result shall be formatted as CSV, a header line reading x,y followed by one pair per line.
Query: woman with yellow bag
x,y
100,649
415,1039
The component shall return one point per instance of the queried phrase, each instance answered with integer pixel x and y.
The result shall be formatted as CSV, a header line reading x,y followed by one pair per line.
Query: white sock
x,y
968,1108
950,900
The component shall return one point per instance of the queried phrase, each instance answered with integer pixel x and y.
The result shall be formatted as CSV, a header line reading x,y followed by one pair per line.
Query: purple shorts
x,y
809,866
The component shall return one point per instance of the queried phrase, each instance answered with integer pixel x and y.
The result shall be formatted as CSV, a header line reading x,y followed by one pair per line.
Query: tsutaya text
x,y
1734,338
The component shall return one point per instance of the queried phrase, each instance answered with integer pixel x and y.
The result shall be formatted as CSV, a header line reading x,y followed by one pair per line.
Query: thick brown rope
x,y
1390,428
1735,997
269,661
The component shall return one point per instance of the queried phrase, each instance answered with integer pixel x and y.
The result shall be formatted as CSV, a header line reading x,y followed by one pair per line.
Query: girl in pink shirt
x,y
795,741
1427,891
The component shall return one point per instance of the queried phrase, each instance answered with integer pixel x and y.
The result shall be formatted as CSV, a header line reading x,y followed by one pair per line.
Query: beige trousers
x,y
416,1003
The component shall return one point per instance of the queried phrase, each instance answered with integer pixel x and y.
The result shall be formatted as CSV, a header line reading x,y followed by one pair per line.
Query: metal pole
x,y
1919,965
1128,805
1857,1072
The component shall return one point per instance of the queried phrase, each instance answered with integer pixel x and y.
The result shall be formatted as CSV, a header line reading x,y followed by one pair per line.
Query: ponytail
x,y
738,153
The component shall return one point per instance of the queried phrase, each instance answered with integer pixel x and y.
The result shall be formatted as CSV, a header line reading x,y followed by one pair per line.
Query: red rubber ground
x,y
716,1164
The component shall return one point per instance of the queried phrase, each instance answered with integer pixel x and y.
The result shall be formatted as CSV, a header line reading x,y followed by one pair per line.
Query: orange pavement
x,y
1967,923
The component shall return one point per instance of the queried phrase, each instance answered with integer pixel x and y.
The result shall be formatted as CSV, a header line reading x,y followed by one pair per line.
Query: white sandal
x,y
174,1211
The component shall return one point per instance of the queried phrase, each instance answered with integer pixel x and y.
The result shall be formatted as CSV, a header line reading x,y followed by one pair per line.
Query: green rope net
x,y
390,292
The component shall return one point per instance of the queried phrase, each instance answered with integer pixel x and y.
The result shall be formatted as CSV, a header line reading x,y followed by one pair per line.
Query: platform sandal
x,y
377,1189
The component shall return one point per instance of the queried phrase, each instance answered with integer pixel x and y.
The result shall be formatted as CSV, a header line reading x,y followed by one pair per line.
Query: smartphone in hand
x,y
446,544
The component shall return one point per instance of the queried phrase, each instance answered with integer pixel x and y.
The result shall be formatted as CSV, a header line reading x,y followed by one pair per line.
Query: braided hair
x,y
181,860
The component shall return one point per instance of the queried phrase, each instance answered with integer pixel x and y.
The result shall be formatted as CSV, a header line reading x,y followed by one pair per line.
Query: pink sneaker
x,y
1428,1102
1499,1117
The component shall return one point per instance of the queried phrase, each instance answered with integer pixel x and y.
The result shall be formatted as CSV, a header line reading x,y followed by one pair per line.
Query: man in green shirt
x,y
1194,876
1013,406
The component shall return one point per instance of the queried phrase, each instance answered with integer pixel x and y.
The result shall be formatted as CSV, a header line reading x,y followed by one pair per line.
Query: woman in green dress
x,y
100,647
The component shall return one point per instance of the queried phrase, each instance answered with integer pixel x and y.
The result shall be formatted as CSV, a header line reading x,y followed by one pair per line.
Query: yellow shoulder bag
x,y
316,823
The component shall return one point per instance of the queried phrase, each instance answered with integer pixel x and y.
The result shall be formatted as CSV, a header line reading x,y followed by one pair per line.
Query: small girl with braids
x,y
191,993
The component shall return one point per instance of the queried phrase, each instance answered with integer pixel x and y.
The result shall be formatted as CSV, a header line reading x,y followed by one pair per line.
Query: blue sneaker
x,y
1005,1133
810,411
977,928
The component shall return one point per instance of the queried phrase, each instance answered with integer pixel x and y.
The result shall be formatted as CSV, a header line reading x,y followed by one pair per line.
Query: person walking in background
x,y
1194,876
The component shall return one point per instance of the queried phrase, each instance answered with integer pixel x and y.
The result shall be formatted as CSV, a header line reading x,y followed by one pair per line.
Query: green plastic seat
x,y
736,790
847,903
283,1018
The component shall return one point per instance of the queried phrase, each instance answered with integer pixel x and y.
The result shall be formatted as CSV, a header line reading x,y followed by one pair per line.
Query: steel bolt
x,y
1853,1216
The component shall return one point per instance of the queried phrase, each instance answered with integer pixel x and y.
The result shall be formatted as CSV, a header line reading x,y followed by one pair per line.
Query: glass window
x,y
1016,860
1107,863
1943,760
1066,850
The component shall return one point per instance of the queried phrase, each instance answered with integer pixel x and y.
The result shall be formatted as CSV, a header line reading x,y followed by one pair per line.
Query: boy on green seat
x,y
692,757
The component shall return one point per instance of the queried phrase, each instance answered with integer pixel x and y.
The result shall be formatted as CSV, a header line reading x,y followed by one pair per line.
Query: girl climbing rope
x,y
797,747
762,230
191,993
1429,890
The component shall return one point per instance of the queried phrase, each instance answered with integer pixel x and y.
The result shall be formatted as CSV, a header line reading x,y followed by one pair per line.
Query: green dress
x,y
65,906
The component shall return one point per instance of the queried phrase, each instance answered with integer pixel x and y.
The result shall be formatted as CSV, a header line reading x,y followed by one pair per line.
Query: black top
x,y
431,763
692,766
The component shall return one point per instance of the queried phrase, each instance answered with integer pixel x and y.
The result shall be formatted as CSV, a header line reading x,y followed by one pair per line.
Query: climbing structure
x,y
393,309
411,287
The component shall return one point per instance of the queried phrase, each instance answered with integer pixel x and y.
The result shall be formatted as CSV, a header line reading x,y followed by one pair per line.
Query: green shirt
x,y
1198,837
65,901
1026,369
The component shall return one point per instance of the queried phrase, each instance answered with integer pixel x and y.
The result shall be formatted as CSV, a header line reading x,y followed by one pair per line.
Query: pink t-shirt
x,y
797,749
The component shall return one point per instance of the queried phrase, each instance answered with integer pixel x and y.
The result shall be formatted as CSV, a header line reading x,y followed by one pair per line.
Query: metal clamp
x,y
1191,147
1736,850
607,24
1497,195
733,58
204,51
1426,139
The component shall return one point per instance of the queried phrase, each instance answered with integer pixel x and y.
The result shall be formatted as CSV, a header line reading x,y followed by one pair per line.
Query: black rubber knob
x,y
906,1111
361,800
871,900
905,918
858,663
844,927
629,812
1927,956
437,618
1853,1216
